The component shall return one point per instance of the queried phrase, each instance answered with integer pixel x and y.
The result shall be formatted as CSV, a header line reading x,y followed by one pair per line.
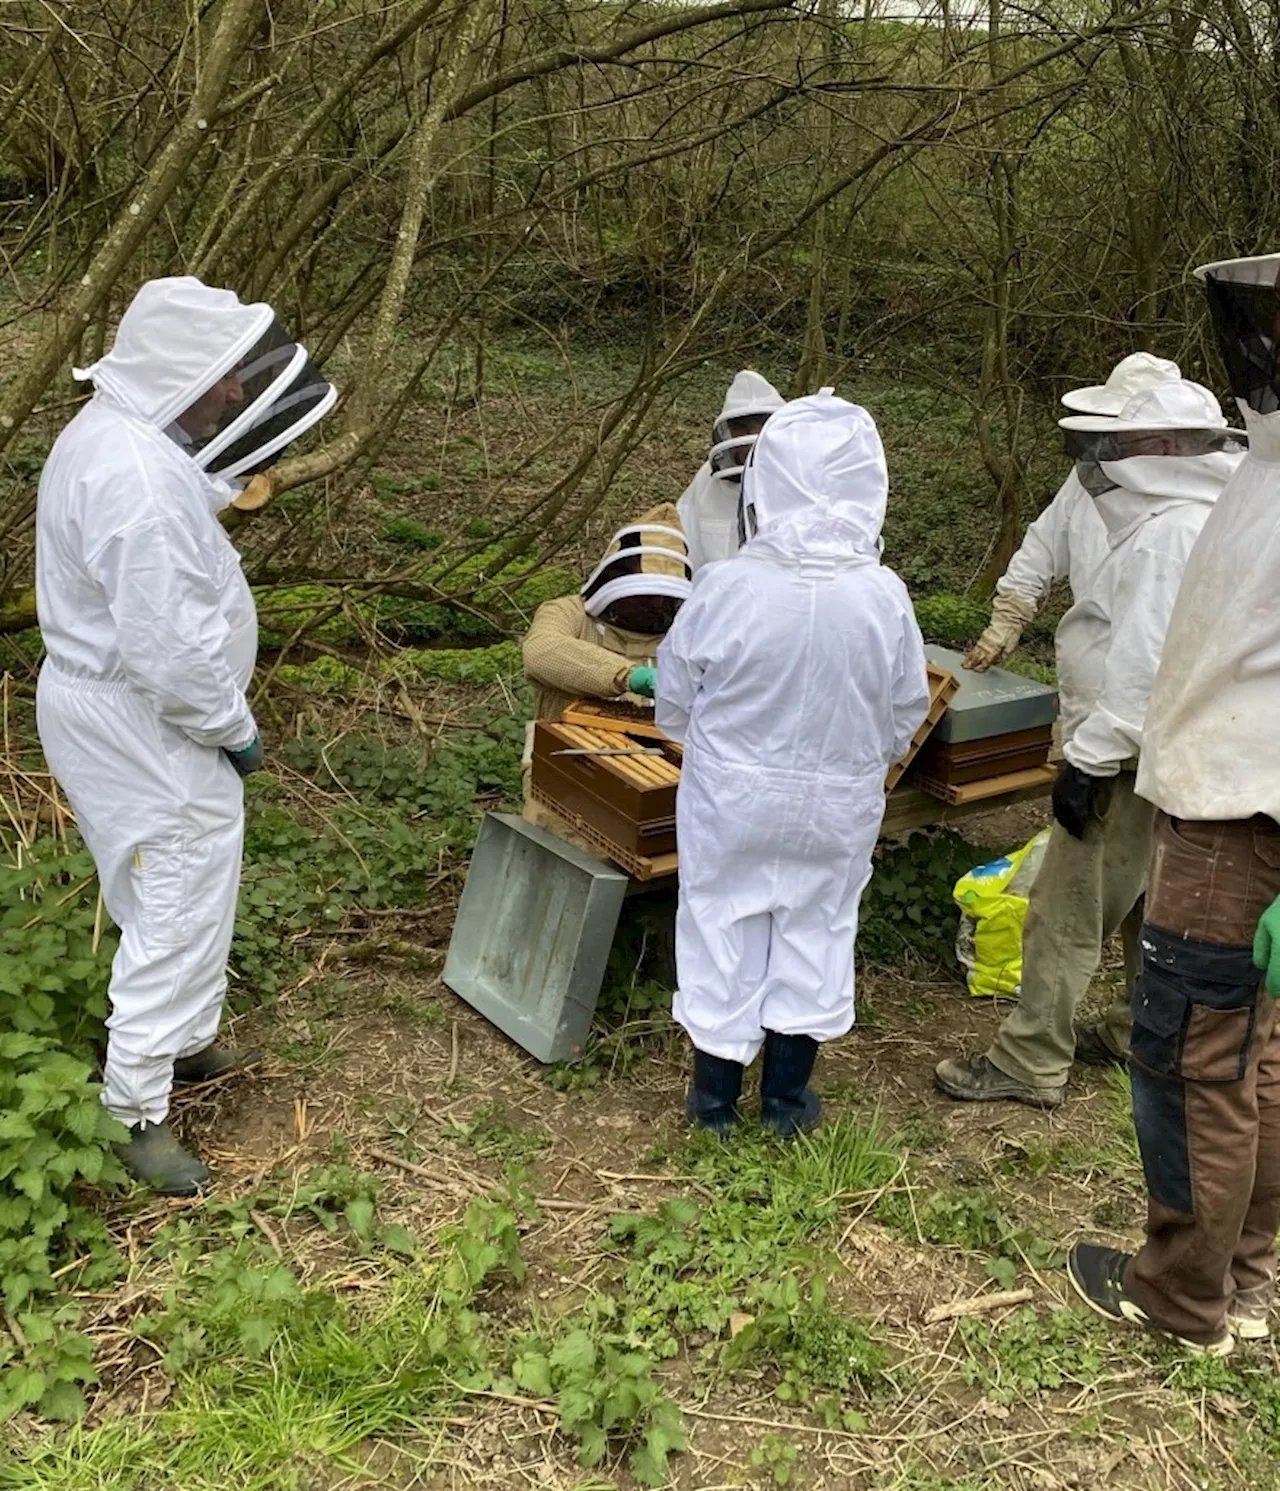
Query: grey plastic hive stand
x,y
532,936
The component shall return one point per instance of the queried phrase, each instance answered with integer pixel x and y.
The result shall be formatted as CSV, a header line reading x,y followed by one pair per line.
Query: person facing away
x,y
1167,457
1068,541
708,507
795,676
150,638
1205,1061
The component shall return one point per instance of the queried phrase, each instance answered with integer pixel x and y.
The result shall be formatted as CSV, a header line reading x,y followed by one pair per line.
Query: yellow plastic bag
x,y
993,906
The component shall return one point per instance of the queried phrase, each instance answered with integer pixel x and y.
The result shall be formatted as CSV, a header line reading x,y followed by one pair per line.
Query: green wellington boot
x,y
213,1062
152,1155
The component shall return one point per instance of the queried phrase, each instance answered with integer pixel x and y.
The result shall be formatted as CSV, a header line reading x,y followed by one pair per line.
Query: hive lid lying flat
x,y
994,703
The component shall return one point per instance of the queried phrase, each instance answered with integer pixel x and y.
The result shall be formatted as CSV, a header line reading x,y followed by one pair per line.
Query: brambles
x,y
54,1131
907,907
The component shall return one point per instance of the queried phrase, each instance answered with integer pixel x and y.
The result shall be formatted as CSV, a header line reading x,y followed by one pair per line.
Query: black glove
x,y
1074,796
247,759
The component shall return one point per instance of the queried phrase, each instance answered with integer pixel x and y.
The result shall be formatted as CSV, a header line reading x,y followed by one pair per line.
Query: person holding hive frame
x,y
603,642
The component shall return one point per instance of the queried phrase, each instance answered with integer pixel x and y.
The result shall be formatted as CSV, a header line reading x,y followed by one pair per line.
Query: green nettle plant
x,y
54,1133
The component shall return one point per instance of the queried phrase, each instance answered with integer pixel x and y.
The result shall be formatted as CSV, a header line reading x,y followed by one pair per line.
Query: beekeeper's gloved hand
x,y
1009,614
1266,949
1074,795
247,759
642,681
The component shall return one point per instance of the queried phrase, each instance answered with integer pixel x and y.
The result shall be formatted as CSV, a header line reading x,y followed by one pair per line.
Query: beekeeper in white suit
x,y
150,637
1068,541
709,507
795,676
1167,457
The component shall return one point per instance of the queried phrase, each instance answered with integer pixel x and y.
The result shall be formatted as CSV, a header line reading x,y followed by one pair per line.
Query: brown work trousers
x,y
1205,1059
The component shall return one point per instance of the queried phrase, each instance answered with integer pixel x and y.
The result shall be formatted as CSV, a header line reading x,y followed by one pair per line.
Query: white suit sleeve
x,y
1111,733
910,700
170,629
1044,554
681,665
688,508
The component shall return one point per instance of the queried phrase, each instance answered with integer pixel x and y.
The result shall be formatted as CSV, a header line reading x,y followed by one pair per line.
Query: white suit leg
x,y
723,927
810,985
164,821
721,964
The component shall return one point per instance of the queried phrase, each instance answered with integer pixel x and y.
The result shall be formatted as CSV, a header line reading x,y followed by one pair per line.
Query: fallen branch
x,y
981,1304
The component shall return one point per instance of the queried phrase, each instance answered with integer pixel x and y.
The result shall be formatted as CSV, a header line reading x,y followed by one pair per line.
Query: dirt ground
x,y
395,1075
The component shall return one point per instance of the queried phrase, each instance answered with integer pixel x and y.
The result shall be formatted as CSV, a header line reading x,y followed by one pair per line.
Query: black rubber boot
x,y
213,1062
153,1155
713,1095
788,1105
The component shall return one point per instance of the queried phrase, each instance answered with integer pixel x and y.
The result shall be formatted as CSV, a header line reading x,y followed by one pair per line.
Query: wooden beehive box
x,y
956,764
942,689
627,801
613,714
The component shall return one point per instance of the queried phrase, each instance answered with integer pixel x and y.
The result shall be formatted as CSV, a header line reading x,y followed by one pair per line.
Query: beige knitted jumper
x,y
569,656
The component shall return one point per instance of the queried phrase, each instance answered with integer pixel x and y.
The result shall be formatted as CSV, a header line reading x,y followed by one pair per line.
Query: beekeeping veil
x,y
816,485
1169,443
646,558
178,340
1245,311
1132,375
751,399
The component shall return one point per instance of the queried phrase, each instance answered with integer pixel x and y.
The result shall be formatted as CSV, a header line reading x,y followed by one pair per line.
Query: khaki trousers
x,y
1085,891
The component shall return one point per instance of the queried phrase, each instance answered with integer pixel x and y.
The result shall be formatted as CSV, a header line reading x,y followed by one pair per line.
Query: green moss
x,y
456,664
329,675
955,620
411,533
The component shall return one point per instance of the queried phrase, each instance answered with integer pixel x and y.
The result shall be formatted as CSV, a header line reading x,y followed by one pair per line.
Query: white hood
x,y
750,393
818,482
177,338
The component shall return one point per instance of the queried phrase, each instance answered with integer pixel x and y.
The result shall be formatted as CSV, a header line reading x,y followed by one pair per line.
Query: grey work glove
x,y
1009,615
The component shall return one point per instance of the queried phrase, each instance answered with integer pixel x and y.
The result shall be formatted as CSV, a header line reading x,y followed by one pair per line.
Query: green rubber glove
x,y
1266,949
642,681
247,759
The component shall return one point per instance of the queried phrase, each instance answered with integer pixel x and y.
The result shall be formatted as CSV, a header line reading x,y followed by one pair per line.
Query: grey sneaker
x,y
1248,1327
974,1079
1097,1276
153,1155
1249,1312
1092,1050
213,1062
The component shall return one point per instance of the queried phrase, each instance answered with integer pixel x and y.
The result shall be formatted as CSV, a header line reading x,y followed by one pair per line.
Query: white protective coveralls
x,y
151,634
1068,541
709,506
795,675
1110,642
1214,720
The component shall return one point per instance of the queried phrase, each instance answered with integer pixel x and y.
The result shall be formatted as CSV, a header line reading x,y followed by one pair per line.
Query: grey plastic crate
x,y
532,936
993,703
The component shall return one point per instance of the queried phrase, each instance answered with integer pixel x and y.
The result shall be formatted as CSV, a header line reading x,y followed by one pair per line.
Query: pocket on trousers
x,y
1194,1009
162,890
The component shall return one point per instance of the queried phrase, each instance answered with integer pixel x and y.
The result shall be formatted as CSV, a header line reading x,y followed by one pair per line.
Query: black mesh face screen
x,y
292,407
1246,320
1092,447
